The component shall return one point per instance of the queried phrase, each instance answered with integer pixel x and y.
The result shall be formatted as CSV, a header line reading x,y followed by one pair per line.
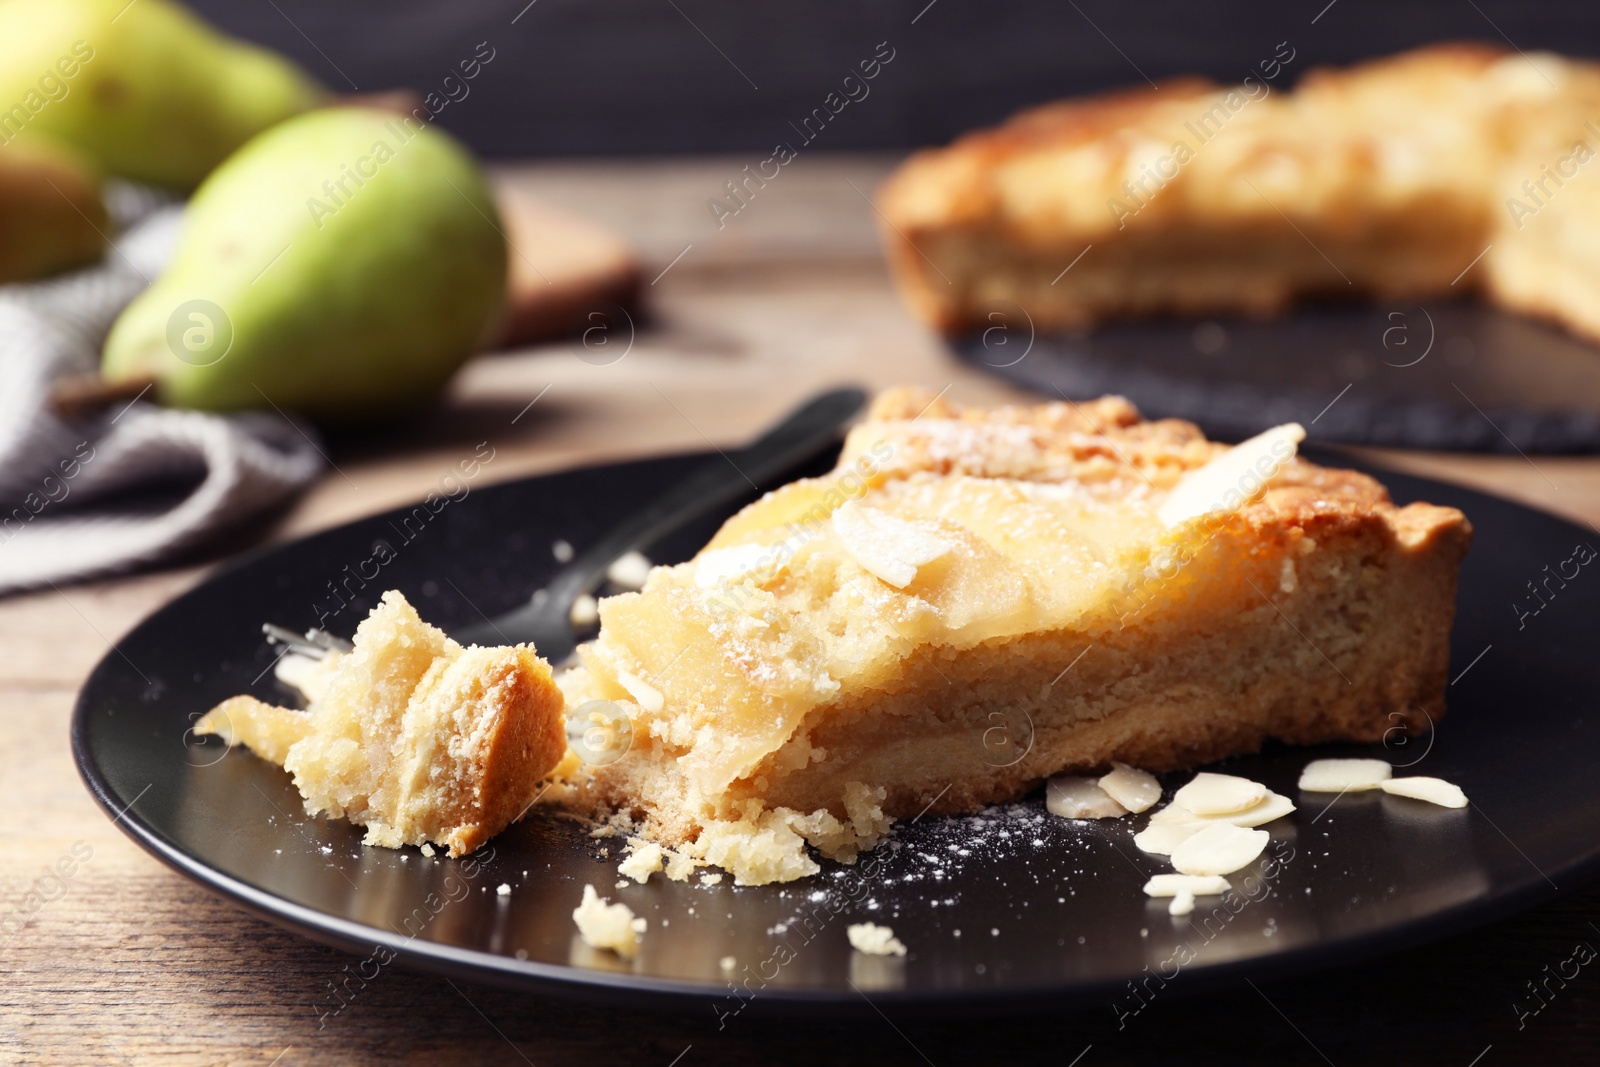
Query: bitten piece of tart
x,y
411,735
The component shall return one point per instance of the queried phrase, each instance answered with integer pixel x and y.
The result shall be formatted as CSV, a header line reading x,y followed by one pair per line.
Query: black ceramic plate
x,y
1462,375
1008,908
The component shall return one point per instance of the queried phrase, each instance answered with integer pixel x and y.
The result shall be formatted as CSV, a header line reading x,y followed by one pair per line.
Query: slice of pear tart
x,y
971,602
974,600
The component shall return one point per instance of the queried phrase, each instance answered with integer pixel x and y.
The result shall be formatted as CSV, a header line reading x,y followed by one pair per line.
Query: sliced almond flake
x,y
648,696
1167,885
1134,789
1233,478
737,564
1220,848
1433,790
890,548
1080,798
1272,806
1344,775
1182,902
1160,839
1219,794
1175,814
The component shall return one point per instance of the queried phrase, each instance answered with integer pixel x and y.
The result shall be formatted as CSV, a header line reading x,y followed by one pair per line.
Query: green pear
x,y
144,88
52,217
342,264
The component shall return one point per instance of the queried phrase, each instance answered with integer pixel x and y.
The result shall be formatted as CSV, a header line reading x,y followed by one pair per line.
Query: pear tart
x,y
1390,178
974,600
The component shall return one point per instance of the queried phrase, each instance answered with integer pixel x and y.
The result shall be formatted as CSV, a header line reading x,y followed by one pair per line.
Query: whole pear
x,y
342,264
145,89
51,215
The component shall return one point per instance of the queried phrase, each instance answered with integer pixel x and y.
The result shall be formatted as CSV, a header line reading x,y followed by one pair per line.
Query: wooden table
x,y
131,964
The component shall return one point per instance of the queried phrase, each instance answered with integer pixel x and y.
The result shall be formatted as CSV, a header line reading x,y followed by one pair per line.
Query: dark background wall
x,y
598,77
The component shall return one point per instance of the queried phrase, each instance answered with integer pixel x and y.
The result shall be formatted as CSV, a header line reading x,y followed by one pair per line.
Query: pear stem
x,y
77,396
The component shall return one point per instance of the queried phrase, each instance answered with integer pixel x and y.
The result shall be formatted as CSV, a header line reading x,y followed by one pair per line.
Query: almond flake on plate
x,y
1433,790
1134,789
1220,848
1182,902
1080,798
1219,794
1167,885
1272,806
1162,838
1344,775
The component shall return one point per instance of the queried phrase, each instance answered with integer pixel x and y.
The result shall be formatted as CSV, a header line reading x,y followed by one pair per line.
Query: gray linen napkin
x,y
138,483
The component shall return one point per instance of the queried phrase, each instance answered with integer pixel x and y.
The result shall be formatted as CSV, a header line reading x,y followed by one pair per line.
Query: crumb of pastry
x,y
608,926
645,860
874,940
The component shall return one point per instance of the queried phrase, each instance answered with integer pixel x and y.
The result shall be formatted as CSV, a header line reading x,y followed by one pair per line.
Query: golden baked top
x,y
1102,446
1434,122
940,528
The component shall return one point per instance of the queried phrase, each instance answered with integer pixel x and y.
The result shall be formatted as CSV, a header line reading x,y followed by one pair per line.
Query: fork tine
x,y
313,643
